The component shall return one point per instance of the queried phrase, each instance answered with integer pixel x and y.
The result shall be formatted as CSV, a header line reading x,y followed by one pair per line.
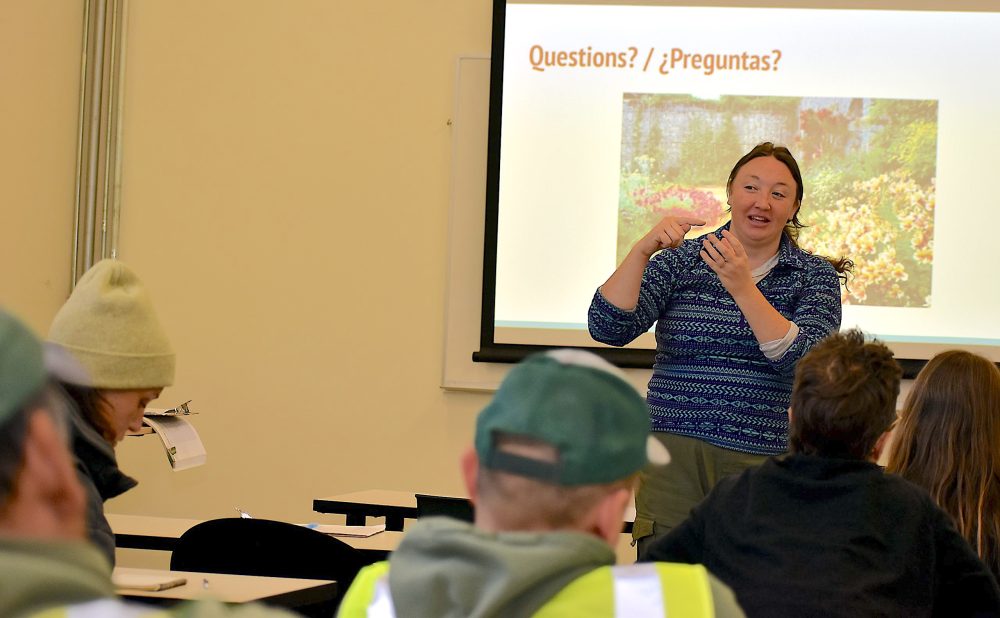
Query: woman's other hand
x,y
728,259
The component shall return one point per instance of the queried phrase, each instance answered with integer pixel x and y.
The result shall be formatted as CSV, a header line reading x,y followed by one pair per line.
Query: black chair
x,y
446,506
269,548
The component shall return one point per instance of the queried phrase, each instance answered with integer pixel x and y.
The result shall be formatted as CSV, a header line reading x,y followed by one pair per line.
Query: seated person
x,y
46,561
948,442
556,457
109,327
823,531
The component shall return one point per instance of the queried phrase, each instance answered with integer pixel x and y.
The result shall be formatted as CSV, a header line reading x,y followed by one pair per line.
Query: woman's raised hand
x,y
667,234
622,288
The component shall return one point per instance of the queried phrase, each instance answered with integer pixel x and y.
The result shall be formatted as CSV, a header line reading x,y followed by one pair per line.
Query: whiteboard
x,y
466,226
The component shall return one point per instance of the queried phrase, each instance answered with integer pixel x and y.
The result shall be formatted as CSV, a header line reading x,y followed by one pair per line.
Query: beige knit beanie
x,y
109,326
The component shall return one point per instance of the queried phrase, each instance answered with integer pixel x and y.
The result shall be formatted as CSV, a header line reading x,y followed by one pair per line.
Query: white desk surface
x,y
172,528
168,527
145,525
387,540
226,588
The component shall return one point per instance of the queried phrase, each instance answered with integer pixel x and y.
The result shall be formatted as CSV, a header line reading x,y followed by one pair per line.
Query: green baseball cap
x,y
22,365
581,405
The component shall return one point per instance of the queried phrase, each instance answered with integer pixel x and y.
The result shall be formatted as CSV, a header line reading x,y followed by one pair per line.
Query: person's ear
x,y
794,212
48,482
470,472
609,515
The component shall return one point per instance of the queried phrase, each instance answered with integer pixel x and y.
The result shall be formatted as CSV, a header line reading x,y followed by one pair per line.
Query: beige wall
x,y
40,44
285,195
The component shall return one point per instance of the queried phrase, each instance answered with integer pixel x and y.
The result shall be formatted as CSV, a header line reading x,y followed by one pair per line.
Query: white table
x,y
284,591
161,533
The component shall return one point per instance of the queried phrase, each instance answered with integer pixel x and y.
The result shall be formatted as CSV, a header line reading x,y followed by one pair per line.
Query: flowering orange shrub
x,y
886,225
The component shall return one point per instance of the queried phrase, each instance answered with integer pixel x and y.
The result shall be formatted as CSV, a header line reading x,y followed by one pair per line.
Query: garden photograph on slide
x,y
868,169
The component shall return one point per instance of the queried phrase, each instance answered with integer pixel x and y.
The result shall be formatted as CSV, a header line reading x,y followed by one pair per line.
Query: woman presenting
x,y
734,311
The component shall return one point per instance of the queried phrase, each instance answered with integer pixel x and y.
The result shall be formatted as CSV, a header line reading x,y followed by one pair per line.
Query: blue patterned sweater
x,y
710,379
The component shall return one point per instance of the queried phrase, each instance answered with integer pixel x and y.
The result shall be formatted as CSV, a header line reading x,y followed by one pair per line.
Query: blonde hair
x,y
948,441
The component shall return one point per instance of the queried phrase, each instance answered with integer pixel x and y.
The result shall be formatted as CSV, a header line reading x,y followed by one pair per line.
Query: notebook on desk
x,y
350,531
153,582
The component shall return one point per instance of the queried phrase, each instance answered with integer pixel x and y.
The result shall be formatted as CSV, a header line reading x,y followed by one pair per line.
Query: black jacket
x,y
810,536
98,471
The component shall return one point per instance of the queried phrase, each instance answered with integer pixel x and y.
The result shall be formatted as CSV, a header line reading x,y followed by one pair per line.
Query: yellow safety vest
x,y
655,589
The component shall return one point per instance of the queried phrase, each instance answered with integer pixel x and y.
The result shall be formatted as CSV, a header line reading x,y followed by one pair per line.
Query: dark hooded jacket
x,y
97,468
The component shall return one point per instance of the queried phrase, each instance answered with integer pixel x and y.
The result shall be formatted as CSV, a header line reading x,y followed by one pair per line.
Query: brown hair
x,y
844,397
948,441
842,265
93,407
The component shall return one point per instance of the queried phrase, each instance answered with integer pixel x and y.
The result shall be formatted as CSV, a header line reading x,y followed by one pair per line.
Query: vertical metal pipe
x,y
96,83
81,130
118,82
110,128
98,176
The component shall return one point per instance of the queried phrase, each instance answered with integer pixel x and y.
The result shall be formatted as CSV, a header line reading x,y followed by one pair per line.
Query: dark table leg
x,y
394,522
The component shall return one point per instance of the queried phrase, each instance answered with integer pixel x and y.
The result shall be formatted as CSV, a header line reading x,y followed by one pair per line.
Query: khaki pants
x,y
667,494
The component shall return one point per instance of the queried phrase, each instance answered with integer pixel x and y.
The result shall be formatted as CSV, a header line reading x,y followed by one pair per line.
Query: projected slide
x,y
613,116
